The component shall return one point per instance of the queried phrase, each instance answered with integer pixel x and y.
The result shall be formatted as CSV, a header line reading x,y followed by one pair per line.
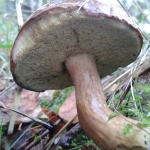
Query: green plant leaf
x,y
138,98
112,116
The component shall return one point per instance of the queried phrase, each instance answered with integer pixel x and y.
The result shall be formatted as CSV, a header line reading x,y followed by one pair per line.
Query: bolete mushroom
x,y
73,43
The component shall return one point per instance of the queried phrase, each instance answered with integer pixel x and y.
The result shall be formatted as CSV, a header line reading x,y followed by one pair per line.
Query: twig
x,y
124,95
46,125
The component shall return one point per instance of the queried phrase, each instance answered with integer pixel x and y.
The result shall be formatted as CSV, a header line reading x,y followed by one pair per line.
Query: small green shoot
x,y
112,116
37,138
59,148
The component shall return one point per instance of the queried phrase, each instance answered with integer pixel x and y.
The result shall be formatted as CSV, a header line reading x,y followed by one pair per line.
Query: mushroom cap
x,y
58,30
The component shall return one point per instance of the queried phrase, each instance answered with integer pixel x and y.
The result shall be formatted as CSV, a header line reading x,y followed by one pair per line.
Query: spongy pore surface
x,y
47,39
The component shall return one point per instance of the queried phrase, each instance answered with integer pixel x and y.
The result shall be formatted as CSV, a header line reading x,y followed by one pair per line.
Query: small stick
x,y
46,125
123,95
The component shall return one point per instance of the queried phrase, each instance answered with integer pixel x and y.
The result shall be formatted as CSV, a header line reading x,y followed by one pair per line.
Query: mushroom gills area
x,y
93,111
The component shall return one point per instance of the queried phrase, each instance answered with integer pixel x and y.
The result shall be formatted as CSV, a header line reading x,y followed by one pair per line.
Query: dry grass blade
x,y
14,115
6,89
19,14
114,81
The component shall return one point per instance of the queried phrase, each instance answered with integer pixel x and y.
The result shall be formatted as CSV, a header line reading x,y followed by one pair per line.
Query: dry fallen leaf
x,y
28,105
54,120
68,110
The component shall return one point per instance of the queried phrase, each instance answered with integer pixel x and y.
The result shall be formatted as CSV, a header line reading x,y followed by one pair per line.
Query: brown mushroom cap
x,y
58,30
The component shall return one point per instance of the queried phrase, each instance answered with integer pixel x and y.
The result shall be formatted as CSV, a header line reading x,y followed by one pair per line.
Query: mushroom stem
x,y
93,111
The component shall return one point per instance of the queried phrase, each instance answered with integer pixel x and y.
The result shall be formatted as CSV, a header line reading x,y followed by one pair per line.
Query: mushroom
x,y
73,42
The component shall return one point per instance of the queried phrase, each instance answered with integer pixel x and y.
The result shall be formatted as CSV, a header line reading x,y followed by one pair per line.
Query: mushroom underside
x,y
109,41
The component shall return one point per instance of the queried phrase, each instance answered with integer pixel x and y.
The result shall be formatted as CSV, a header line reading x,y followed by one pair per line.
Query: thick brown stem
x,y
93,111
